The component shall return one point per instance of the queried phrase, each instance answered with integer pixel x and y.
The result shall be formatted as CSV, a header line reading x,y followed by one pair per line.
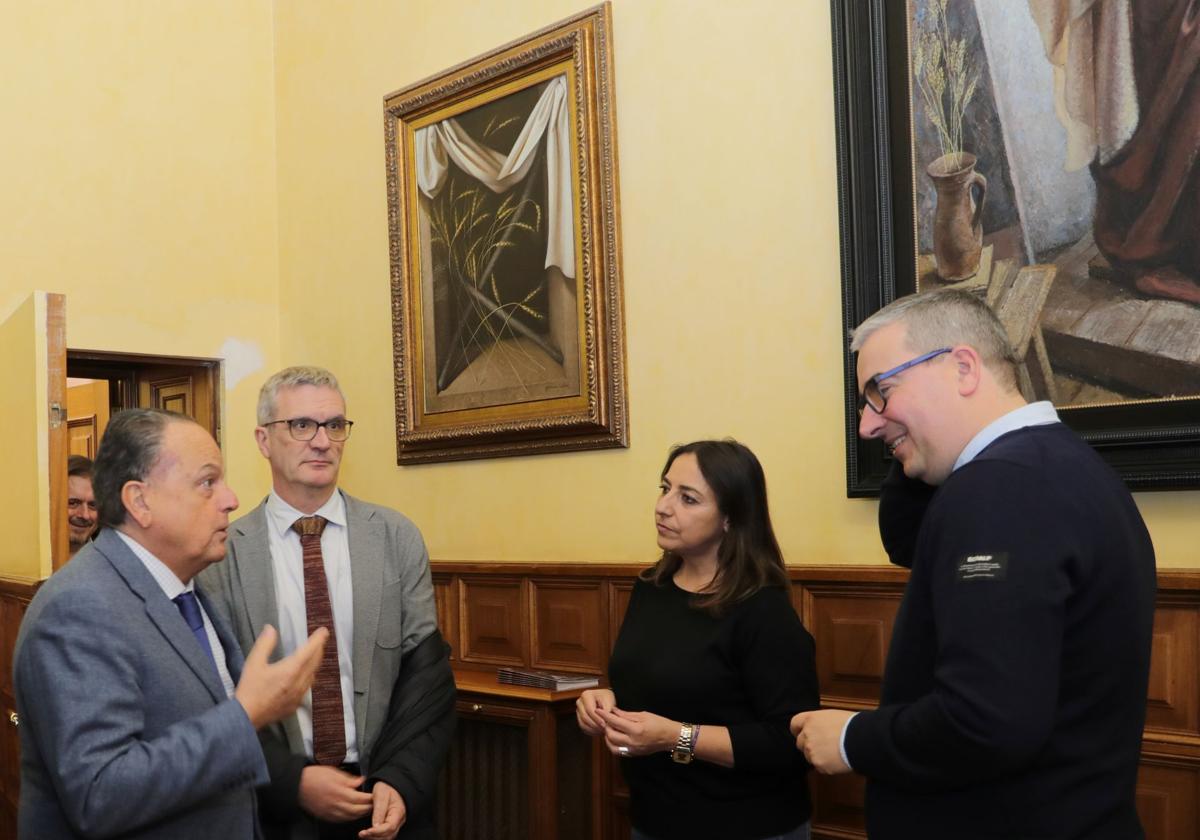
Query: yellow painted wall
x,y
139,179
25,549
208,179
725,113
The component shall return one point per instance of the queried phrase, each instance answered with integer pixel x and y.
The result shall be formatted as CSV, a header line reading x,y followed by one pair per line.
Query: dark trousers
x,y
342,831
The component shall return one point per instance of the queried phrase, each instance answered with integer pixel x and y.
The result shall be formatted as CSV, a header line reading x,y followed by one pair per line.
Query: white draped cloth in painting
x,y
1089,43
444,141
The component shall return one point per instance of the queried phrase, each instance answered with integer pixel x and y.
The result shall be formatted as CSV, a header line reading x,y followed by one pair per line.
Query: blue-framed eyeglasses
x,y
873,397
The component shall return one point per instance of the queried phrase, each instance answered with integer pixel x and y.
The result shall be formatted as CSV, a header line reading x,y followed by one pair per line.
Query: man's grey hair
x,y
128,452
292,377
944,318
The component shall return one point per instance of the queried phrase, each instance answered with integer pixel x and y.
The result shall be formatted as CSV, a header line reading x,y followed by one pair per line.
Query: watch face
x,y
681,756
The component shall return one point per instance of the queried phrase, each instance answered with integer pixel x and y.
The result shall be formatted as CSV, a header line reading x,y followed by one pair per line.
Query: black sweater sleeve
x,y
778,663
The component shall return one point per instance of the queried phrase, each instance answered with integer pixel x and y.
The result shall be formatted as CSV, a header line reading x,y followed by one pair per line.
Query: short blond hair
x,y
293,377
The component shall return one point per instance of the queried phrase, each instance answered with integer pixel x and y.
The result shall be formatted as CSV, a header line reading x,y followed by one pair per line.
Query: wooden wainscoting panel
x,y
837,805
561,614
619,593
1167,796
495,621
14,600
445,589
853,628
568,626
1174,695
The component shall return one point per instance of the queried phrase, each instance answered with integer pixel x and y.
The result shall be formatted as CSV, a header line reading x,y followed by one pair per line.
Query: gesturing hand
x,y
272,691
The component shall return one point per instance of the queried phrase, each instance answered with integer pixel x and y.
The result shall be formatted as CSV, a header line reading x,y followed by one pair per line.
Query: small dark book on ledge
x,y
545,679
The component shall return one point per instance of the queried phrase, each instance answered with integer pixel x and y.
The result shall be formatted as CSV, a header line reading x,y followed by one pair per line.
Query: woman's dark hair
x,y
128,451
748,558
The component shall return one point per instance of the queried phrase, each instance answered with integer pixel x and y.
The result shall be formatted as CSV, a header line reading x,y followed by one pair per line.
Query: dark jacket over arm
x,y
413,744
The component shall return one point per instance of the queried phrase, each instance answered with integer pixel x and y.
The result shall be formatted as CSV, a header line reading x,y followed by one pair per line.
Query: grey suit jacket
x,y
125,727
393,612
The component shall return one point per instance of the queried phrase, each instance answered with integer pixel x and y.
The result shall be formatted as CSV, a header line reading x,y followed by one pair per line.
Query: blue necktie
x,y
189,608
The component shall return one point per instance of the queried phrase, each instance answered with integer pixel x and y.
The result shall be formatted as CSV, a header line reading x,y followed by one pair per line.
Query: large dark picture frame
x,y
1153,445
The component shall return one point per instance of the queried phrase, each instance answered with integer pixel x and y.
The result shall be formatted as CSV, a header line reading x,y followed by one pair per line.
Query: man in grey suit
x,y
361,756
138,715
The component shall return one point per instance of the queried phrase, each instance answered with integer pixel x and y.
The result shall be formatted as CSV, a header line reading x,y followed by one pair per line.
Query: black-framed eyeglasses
x,y
873,397
305,428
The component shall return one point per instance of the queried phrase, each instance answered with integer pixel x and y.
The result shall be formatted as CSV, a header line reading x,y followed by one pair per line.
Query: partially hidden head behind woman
x,y
714,525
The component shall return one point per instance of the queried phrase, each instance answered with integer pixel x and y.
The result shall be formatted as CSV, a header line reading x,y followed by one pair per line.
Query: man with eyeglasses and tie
x,y
138,714
361,756
1014,692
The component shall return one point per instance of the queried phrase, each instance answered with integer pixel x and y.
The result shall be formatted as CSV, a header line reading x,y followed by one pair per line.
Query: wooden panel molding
x,y
571,613
1174,692
445,598
1167,797
568,630
15,596
82,435
619,593
493,621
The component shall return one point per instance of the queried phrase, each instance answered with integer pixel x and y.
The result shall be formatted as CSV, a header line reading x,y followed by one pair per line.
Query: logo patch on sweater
x,y
975,567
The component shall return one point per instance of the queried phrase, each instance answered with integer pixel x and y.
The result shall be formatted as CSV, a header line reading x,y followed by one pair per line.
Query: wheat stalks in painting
x,y
946,79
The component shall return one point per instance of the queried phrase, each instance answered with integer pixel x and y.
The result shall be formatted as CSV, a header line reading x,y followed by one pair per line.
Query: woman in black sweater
x,y
710,664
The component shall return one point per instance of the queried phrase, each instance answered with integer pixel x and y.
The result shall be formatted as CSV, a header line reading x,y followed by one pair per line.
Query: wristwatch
x,y
682,753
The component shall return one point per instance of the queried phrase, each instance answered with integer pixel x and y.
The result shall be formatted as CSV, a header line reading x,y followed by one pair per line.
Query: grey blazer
x,y
125,727
393,612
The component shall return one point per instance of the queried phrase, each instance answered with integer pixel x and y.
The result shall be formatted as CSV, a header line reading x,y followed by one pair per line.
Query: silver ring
x,y
623,750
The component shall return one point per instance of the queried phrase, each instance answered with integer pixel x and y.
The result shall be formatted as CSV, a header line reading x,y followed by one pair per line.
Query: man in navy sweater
x,y
1015,687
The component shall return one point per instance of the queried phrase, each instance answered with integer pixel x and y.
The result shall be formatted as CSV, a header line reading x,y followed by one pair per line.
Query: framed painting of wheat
x,y
508,333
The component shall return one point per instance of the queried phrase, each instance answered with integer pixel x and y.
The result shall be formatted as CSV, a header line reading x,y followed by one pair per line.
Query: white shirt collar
x,y
166,579
1034,414
281,515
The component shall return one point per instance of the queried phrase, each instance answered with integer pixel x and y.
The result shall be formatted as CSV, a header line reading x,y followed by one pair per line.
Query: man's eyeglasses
x,y
873,397
305,428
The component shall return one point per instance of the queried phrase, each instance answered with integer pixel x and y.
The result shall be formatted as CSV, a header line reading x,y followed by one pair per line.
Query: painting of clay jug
x,y
957,230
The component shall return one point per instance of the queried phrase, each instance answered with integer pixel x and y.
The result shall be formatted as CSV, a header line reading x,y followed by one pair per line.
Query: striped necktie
x,y
328,722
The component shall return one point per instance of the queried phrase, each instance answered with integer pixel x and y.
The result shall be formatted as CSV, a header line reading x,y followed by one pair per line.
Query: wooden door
x,y
33,379
87,415
184,390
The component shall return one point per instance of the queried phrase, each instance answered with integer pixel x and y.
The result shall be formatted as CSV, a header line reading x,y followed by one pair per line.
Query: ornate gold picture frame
x,y
503,214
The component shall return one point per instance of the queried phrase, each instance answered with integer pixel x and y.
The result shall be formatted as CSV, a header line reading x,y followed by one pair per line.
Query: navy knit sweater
x,y
1015,688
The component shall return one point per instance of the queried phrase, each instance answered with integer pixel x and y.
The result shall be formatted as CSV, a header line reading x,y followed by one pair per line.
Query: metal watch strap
x,y
683,752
